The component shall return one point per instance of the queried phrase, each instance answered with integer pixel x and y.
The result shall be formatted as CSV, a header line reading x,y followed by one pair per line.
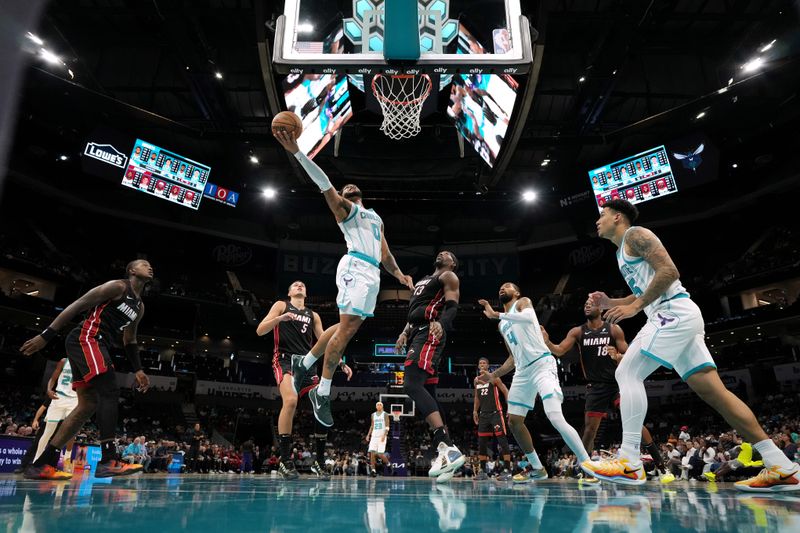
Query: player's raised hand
x,y
33,345
485,377
406,280
286,140
488,311
599,299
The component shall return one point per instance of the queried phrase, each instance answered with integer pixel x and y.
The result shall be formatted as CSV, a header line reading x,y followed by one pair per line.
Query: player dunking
x,y
112,307
487,413
601,346
431,312
672,337
376,437
293,327
357,276
536,374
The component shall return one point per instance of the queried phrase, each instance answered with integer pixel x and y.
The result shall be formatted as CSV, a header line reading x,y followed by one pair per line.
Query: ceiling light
x,y
218,75
545,162
768,46
582,79
254,159
62,157
50,57
529,196
40,42
700,115
753,65
269,193
730,80
305,27
735,165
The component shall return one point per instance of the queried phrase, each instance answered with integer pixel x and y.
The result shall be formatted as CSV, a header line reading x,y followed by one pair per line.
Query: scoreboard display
x,y
639,178
159,172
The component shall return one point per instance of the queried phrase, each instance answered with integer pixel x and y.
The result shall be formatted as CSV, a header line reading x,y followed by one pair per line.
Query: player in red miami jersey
x,y
111,307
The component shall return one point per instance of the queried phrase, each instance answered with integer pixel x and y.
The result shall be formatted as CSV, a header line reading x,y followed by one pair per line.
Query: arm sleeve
x,y
316,174
526,315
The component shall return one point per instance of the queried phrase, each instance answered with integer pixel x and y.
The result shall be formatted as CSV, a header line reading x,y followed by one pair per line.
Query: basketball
x,y
289,122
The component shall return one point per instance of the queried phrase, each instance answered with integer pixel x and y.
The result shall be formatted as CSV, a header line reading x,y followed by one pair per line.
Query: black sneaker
x,y
320,471
298,372
374,473
287,470
322,407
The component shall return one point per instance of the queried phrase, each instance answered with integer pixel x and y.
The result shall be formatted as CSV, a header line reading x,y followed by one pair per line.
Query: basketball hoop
x,y
396,415
401,98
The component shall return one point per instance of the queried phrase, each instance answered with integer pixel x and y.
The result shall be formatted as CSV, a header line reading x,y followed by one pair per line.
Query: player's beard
x,y
505,298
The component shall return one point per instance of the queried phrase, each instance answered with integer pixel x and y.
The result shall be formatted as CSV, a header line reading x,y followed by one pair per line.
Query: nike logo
x,y
423,328
316,403
787,477
627,471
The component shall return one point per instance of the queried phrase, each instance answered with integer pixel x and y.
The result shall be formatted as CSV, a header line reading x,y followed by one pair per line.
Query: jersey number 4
x,y
512,339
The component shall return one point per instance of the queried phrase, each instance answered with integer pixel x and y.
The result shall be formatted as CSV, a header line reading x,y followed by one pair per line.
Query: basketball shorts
x,y
538,377
424,350
377,444
60,409
674,336
88,356
601,398
358,282
492,425
282,366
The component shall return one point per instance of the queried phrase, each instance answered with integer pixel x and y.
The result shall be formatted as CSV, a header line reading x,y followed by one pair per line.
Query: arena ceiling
x,y
616,76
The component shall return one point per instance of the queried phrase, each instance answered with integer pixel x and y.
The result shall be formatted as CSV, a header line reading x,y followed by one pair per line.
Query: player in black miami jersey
x,y
293,327
431,312
487,413
111,307
601,346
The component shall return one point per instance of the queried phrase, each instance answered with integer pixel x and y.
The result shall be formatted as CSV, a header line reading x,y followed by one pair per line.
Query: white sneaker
x,y
449,459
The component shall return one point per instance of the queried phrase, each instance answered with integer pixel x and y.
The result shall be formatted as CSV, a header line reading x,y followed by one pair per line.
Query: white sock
x,y
772,455
309,360
324,388
631,447
533,459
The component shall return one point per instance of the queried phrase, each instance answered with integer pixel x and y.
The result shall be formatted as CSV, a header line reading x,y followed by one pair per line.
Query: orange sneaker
x,y
117,468
772,479
617,470
45,472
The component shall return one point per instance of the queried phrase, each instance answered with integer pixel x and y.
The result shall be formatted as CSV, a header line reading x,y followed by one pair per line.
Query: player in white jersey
x,y
672,337
536,373
376,437
357,277
64,401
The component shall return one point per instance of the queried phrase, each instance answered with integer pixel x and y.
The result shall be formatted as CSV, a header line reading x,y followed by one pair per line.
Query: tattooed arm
x,y
641,242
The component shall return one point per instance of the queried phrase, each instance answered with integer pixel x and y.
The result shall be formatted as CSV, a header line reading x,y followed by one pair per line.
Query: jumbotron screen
x,y
639,178
167,175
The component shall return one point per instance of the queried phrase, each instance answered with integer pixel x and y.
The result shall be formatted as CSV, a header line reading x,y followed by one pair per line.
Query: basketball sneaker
x,y
449,460
617,470
772,479
287,470
116,468
45,472
505,475
666,478
299,372
322,407
320,471
530,474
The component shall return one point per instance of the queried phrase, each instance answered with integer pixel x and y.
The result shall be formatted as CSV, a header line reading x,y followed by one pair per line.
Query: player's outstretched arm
x,y
338,205
524,312
390,264
566,345
110,290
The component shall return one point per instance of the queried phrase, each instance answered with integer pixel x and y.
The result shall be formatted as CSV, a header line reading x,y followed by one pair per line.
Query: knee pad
x,y
483,445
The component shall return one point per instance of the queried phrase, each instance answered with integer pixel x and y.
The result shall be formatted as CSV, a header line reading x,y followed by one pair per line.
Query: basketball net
x,y
401,98
396,415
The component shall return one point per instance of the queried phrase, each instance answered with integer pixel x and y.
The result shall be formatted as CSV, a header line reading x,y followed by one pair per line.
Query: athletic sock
x,y
440,435
772,455
285,444
309,360
655,453
533,459
324,388
109,451
630,449
49,457
320,442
